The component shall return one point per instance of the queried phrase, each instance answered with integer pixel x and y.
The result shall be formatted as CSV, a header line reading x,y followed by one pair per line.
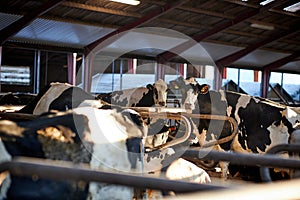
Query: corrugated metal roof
x,y
77,23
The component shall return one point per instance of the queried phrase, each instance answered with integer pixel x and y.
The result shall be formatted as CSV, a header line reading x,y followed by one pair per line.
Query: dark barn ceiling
x,y
227,29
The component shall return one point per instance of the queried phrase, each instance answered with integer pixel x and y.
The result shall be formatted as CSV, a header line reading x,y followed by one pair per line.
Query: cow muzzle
x,y
162,103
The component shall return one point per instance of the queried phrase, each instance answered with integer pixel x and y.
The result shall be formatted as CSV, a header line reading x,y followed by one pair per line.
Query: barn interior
x,y
246,46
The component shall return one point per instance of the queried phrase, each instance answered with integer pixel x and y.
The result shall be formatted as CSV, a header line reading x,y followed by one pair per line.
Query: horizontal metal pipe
x,y
17,116
265,171
243,159
62,170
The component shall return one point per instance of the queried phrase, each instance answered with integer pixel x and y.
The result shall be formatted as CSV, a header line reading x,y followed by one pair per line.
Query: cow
x,y
262,123
151,95
105,139
61,97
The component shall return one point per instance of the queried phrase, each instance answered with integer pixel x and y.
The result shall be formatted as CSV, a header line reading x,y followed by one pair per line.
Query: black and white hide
x,y
151,95
105,139
262,123
61,97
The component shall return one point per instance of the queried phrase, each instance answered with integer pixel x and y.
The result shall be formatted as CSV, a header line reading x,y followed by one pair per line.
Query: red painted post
x,y
181,70
255,75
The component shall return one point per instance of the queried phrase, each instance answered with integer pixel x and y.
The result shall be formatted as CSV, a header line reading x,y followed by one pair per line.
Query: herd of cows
x,y
100,130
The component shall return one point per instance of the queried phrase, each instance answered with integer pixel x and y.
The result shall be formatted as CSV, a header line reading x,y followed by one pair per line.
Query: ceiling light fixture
x,y
293,8
263,3
261,26
130,2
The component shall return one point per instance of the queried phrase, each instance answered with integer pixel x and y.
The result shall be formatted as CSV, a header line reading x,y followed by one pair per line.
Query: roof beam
x,y
160,3
168,55
274,10
227,60
100,9
18,25
146,18
278,63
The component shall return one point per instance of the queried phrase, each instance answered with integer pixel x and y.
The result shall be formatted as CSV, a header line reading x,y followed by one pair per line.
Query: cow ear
x,y
204,89
150,87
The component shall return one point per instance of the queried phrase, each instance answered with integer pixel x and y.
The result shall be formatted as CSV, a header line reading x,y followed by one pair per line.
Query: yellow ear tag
x,y
204,89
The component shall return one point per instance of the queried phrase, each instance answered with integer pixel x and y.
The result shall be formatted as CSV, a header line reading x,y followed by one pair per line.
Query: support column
x,y
265,83
182,68
72,68
224,73
36,71
218,78
0,65
87,72
160,71
256,76
131,66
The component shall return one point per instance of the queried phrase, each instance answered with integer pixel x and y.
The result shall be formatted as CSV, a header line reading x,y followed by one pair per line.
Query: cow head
x,y
190,89
160,90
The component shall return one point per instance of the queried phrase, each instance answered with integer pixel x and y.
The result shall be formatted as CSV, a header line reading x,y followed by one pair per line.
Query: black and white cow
x,y
151,95
262,123
105,139
61,97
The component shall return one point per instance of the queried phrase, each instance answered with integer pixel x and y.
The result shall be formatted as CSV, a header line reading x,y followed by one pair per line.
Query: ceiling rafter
x,y
278,63
101,9
16,26
185,8
227,60
223,15
168,55
146,18
72,20
271,10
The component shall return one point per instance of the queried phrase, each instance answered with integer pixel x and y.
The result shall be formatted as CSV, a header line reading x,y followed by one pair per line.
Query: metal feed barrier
x,y
181,114
63,170
291,148
160,112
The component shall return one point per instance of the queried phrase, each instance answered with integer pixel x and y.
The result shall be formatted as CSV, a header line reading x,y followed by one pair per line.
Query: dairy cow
x,y
104,139
113,138
151,95
61,97
262,123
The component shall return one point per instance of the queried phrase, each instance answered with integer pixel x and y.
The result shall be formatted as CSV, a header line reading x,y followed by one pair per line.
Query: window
x,y
15,75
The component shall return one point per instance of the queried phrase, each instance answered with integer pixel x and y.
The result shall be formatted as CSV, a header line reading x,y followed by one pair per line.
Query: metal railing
x,y
63,170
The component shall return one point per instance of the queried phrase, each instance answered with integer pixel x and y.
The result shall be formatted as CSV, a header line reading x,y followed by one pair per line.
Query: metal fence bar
x,y
177,113
265,171
243,159
63,170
